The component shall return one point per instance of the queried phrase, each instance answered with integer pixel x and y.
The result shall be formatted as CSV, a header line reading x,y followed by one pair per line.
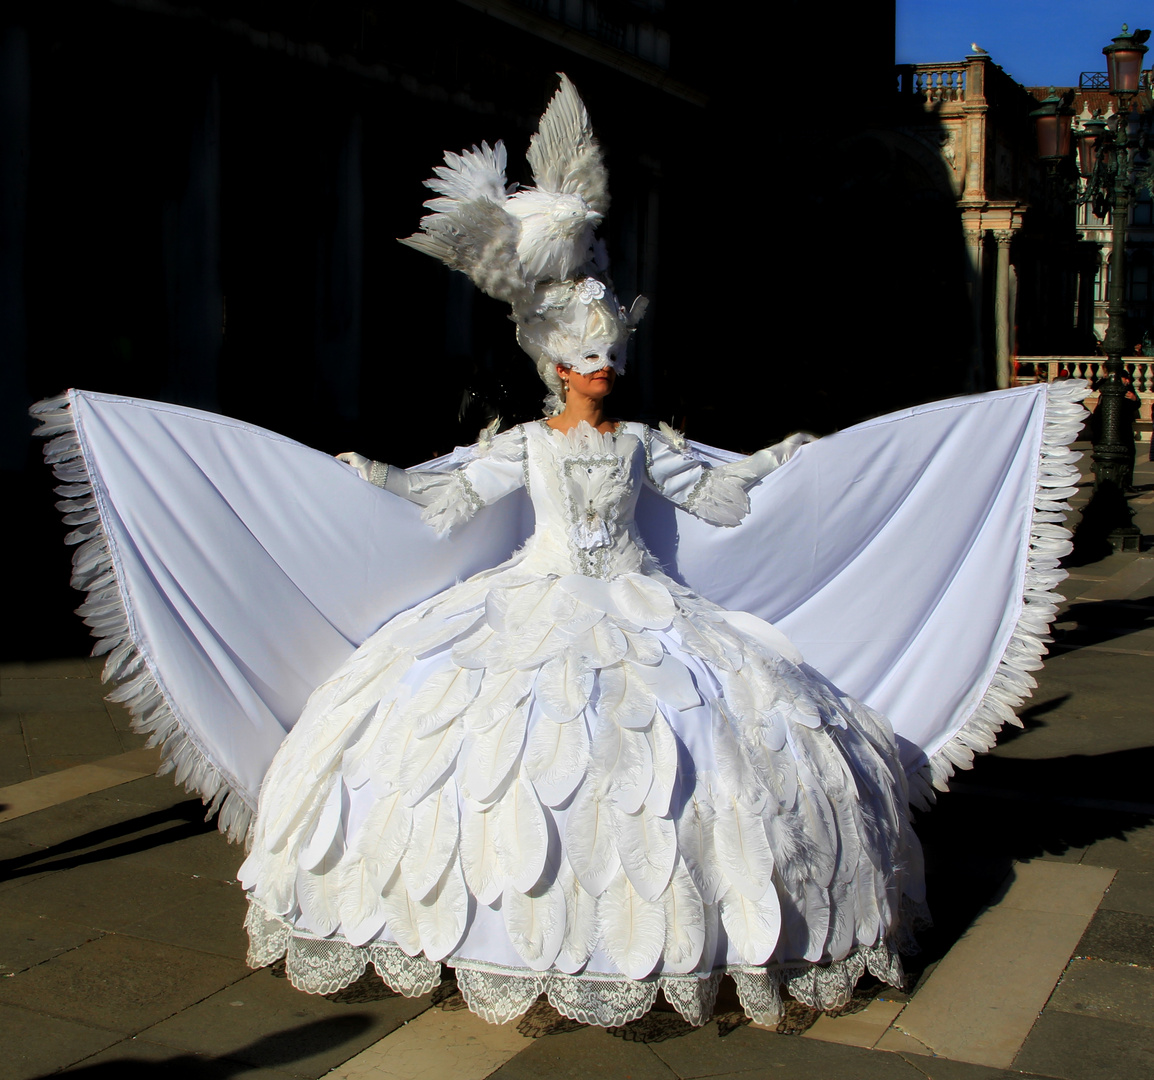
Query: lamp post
x,y
1113,161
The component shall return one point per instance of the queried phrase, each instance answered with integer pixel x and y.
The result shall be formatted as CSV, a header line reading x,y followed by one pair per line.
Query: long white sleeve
x,y
714,493
450,496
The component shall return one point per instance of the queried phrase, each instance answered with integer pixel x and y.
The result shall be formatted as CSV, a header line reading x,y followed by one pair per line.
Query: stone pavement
x,y
123,953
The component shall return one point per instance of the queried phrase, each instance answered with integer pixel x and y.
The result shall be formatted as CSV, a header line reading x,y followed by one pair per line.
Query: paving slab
x,y
940,1068
203,852
437,1044
211,922
29,939
67,667
102,895
863,1028
1120,936
306,1034
1110,991
35,1045
89,734
1087,1048
120,983
706,1052
981,1000
56,787
1132,851
1131,890
91,830
588,1052
1131,578
134,1060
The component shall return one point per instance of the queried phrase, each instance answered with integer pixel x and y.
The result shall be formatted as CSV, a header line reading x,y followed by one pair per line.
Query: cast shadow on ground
x,y
269,1051
1015,809
92,847
1103,620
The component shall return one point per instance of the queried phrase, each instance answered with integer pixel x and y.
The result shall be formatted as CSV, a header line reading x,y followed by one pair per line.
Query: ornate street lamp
x,y
1115,164
1052,119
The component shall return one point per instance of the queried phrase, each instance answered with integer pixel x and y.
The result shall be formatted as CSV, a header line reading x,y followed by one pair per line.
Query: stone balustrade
x,y
1032,369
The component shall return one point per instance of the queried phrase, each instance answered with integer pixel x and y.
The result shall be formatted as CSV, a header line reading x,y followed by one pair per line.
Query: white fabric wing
x,y
896,555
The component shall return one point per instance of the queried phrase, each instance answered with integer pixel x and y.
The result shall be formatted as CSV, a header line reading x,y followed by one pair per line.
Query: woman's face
x,y
596,385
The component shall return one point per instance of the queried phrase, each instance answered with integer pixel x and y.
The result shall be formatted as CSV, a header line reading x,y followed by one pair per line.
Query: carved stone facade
x,y
973,121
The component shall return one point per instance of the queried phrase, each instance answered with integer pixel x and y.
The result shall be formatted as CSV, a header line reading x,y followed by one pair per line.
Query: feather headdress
x,y
534,247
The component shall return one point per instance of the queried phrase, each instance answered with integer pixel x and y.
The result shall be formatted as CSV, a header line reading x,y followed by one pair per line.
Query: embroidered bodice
x,y
584,486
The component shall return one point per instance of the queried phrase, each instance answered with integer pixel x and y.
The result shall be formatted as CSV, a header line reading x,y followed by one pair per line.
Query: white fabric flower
x,y
589,290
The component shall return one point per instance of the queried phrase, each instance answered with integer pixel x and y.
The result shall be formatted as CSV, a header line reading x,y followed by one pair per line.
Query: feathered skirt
x,y
589,789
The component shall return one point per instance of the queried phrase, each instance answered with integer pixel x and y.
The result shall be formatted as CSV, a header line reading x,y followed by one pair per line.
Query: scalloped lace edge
x,y
500,994
95,573
1012,682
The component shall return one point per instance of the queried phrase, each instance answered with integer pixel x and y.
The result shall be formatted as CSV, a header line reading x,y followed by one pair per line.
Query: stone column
x,y
974,283
1003,328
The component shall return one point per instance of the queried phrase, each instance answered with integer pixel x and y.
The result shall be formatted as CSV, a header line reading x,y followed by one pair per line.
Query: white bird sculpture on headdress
x,y
510,240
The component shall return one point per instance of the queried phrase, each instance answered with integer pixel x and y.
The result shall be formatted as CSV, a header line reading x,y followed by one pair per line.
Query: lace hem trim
x,y
1057,477
94,572
498,995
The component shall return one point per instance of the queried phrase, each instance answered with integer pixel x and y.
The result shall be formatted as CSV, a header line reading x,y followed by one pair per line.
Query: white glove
x,y
359,462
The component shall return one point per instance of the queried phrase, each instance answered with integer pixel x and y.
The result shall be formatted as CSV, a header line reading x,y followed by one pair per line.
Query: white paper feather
x,y
671,681
426,761
493,756
622,763
383,836
442,914
556,758
647,848
752,926
643,647
695,839
625,697
360,883
535,923
590,842
735,771
433,841
323,833
318,895
479,855
663,745
742,847
521,835
632,928
601,645
500,695
442,697
401,915
563,687
580,922
684,923
642,600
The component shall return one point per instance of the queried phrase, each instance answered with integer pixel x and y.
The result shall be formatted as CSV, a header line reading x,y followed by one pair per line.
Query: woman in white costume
x,y
570,774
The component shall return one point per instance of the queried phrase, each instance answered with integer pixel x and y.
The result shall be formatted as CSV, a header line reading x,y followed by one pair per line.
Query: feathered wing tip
x,y
564,155
477,237
1049,542
135,686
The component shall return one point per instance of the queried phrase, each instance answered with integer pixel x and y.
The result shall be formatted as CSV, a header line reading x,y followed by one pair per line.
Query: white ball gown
x,y
570,773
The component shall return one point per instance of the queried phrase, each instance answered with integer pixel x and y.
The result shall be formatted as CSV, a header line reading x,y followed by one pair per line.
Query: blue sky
x,y
1038,42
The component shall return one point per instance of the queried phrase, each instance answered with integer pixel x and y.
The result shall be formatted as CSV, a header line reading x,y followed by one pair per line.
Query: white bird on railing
x,y
976,48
